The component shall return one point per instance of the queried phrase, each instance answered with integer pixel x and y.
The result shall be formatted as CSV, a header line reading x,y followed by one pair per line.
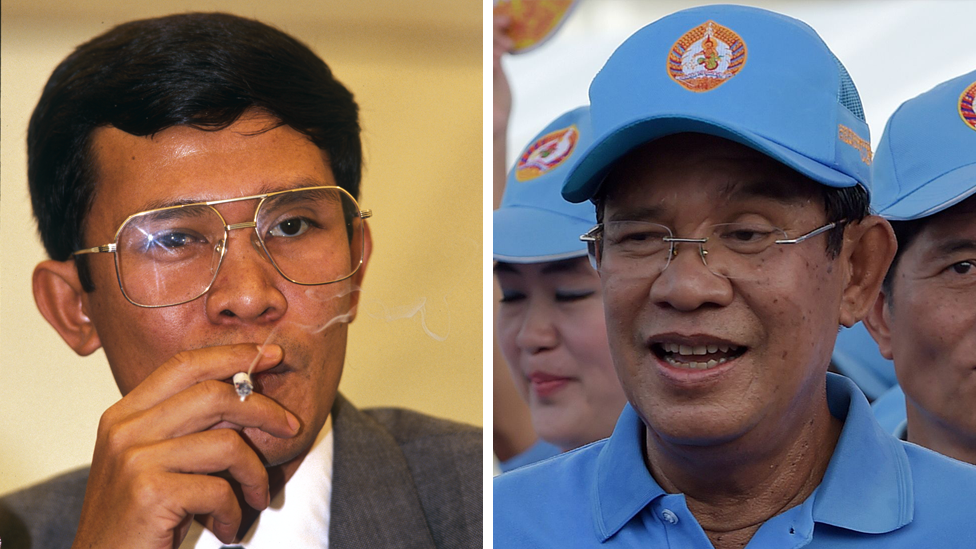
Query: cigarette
x,y
242,382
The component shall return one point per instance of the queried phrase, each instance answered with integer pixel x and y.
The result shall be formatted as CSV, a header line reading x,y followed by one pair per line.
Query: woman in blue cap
x,y
550,325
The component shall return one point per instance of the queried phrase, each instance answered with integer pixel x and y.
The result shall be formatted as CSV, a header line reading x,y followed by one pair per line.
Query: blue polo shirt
x,y
890,410
537,452
877,492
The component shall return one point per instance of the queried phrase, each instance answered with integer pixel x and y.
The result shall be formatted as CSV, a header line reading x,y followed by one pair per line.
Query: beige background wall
x,y
416,71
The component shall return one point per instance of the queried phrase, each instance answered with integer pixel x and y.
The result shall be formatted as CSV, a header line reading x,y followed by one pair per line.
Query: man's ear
x,y
869,247
878,323
58,294
357,279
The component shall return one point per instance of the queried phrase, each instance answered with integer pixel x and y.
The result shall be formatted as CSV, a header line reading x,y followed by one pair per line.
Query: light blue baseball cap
x,y
926,160
534,223
753,76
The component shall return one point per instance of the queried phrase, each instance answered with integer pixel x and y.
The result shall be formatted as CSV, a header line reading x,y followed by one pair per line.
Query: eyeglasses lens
x,y
731,250
170,256
313,236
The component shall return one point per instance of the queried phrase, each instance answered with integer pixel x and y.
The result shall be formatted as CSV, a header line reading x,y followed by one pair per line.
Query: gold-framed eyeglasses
x,y
169,256
731,250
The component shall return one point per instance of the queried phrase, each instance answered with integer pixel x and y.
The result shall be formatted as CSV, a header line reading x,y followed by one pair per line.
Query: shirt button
x,y
669,516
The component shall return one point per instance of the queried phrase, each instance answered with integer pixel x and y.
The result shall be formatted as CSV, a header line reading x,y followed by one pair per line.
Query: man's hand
x,y
155,447
501,92
502,102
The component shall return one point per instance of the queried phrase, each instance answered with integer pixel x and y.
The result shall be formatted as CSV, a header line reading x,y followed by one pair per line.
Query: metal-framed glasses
x,y
169,256
731,250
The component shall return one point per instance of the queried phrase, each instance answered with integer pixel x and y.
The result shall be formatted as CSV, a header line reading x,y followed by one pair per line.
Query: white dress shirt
x,y
298,516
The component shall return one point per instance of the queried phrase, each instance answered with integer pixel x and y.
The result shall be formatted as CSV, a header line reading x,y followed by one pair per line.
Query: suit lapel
x,y
374,499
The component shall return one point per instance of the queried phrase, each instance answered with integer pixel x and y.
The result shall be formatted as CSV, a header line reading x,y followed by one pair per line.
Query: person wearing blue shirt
x,y
925,316
730,170
550,325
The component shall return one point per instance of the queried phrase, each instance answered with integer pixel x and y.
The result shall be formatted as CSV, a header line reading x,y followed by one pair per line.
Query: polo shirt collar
x,y
867,486
623,485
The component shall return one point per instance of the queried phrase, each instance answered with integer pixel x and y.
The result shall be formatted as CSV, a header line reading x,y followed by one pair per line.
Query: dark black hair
x,y
198,69
842,206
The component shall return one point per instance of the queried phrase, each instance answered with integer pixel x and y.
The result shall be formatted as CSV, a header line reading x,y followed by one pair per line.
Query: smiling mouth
x,y
697,357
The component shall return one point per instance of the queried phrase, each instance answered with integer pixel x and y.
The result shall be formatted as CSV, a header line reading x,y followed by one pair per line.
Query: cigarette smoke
x,y
375,309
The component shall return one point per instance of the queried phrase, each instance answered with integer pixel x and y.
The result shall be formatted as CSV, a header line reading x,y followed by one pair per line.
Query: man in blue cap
x,y
729,169
925,317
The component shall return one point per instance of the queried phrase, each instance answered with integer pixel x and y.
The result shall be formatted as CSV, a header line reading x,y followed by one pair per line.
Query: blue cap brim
x,y
533,235
938,194
587,175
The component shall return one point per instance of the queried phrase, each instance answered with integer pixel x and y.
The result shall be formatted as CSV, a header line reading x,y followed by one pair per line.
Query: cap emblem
x,y
546,153
966,106
706,57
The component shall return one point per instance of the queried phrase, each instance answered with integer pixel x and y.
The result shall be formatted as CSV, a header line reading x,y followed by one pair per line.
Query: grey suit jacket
x,y
400,480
